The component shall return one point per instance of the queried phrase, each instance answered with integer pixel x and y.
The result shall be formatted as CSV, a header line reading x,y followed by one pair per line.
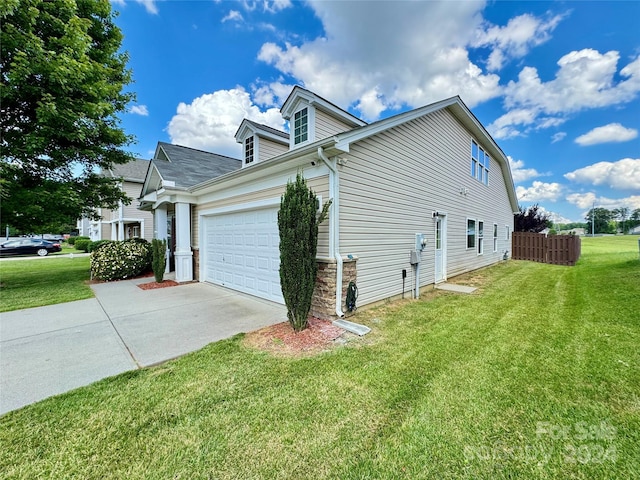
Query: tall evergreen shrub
x,y
298,222
158,262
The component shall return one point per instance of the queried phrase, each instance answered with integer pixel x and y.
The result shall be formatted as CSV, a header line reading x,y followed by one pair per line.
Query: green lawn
x,y
535,376
46,281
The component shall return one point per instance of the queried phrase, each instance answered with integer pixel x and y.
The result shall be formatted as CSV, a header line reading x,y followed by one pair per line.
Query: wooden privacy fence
x,y
537,247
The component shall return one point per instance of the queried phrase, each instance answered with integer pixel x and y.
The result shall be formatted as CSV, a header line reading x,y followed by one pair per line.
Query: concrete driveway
x,y
49,350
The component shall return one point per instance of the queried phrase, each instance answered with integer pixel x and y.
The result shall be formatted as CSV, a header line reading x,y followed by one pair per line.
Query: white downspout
x,y
334,225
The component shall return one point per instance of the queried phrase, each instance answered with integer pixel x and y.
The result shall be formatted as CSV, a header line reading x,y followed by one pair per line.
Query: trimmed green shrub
x,y
82,244
93,246
298,226
159,261
120,260
72,240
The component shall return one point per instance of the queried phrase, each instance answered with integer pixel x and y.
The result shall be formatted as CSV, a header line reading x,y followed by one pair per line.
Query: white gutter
x,y
334,225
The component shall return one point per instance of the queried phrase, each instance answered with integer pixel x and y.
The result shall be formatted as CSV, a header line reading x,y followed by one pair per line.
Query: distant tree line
x,y
600,220
603,220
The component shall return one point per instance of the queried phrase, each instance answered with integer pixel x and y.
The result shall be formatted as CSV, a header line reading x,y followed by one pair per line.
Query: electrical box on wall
x,y
415,257
421,241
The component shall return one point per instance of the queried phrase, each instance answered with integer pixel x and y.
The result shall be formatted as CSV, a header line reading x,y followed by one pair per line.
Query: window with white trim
x,y
479,163
248,150
495,237
301,126
480,238
471,233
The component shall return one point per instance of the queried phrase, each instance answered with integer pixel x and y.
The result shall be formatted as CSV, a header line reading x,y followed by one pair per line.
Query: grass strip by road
x,y
43,281
535,376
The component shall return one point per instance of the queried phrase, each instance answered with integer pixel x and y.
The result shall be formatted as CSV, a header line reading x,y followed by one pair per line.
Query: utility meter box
x,y
415,257
421,241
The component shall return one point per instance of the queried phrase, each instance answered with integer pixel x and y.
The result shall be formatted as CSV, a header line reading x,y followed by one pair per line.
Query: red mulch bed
x,y
154,285
280,339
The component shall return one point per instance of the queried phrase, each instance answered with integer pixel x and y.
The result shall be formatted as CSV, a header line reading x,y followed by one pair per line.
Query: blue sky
x,y
557,84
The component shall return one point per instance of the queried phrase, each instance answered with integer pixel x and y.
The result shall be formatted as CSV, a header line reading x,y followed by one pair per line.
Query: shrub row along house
x,y
416,198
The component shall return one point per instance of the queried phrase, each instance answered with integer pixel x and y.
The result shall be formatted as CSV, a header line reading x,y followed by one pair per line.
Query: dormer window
x,y
248,150
301,126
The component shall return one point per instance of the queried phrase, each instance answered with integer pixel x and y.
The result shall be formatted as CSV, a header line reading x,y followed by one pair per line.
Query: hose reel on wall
x,y
352,296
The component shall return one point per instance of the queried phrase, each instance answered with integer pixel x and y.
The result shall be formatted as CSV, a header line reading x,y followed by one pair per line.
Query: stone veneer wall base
x,y
323,303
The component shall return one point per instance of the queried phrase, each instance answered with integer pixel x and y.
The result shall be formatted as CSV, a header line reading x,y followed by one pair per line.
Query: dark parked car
x,y
53,238
29,246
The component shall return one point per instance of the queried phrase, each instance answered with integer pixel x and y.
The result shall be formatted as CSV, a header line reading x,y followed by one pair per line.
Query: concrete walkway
x,y
49,350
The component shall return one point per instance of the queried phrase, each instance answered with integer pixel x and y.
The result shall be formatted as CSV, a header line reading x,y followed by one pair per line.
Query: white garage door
x,y
242,252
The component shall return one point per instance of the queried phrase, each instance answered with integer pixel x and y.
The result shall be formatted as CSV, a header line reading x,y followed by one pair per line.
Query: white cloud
x,y
519,173
582,200
621,175
210,121
276,5
271,94
554,216
271,6
539,191
587,200
233,15
515,39
139,110
586,79
150,6
614,132
557,137
424,61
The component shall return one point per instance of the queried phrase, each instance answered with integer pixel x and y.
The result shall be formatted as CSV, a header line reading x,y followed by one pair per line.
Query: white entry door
x,y
242,252
440,250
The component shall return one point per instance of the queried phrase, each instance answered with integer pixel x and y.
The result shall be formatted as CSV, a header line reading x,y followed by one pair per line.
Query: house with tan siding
x,y
417,198
126,221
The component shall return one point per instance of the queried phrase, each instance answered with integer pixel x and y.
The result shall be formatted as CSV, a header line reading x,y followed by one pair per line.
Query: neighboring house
x,y
635,230
574,231
429,177
127,221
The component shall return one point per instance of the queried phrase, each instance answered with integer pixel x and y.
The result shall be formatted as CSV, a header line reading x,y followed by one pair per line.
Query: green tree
x,y
634,218
298,222
62,79
621,213
158,262
531,219
599,219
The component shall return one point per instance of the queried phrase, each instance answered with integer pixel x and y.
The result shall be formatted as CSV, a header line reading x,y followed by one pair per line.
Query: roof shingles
x,y
188,167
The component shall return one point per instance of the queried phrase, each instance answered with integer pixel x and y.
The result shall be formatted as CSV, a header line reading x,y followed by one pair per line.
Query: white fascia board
x,y
182,197
270,179
147,179
291,103
246,129
149,197
298,94
335,111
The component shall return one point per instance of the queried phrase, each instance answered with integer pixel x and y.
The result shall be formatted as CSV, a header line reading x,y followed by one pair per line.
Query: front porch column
x,y
120,223
183,253
160,230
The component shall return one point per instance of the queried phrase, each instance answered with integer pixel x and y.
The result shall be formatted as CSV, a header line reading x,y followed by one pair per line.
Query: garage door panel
x,y
242,252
